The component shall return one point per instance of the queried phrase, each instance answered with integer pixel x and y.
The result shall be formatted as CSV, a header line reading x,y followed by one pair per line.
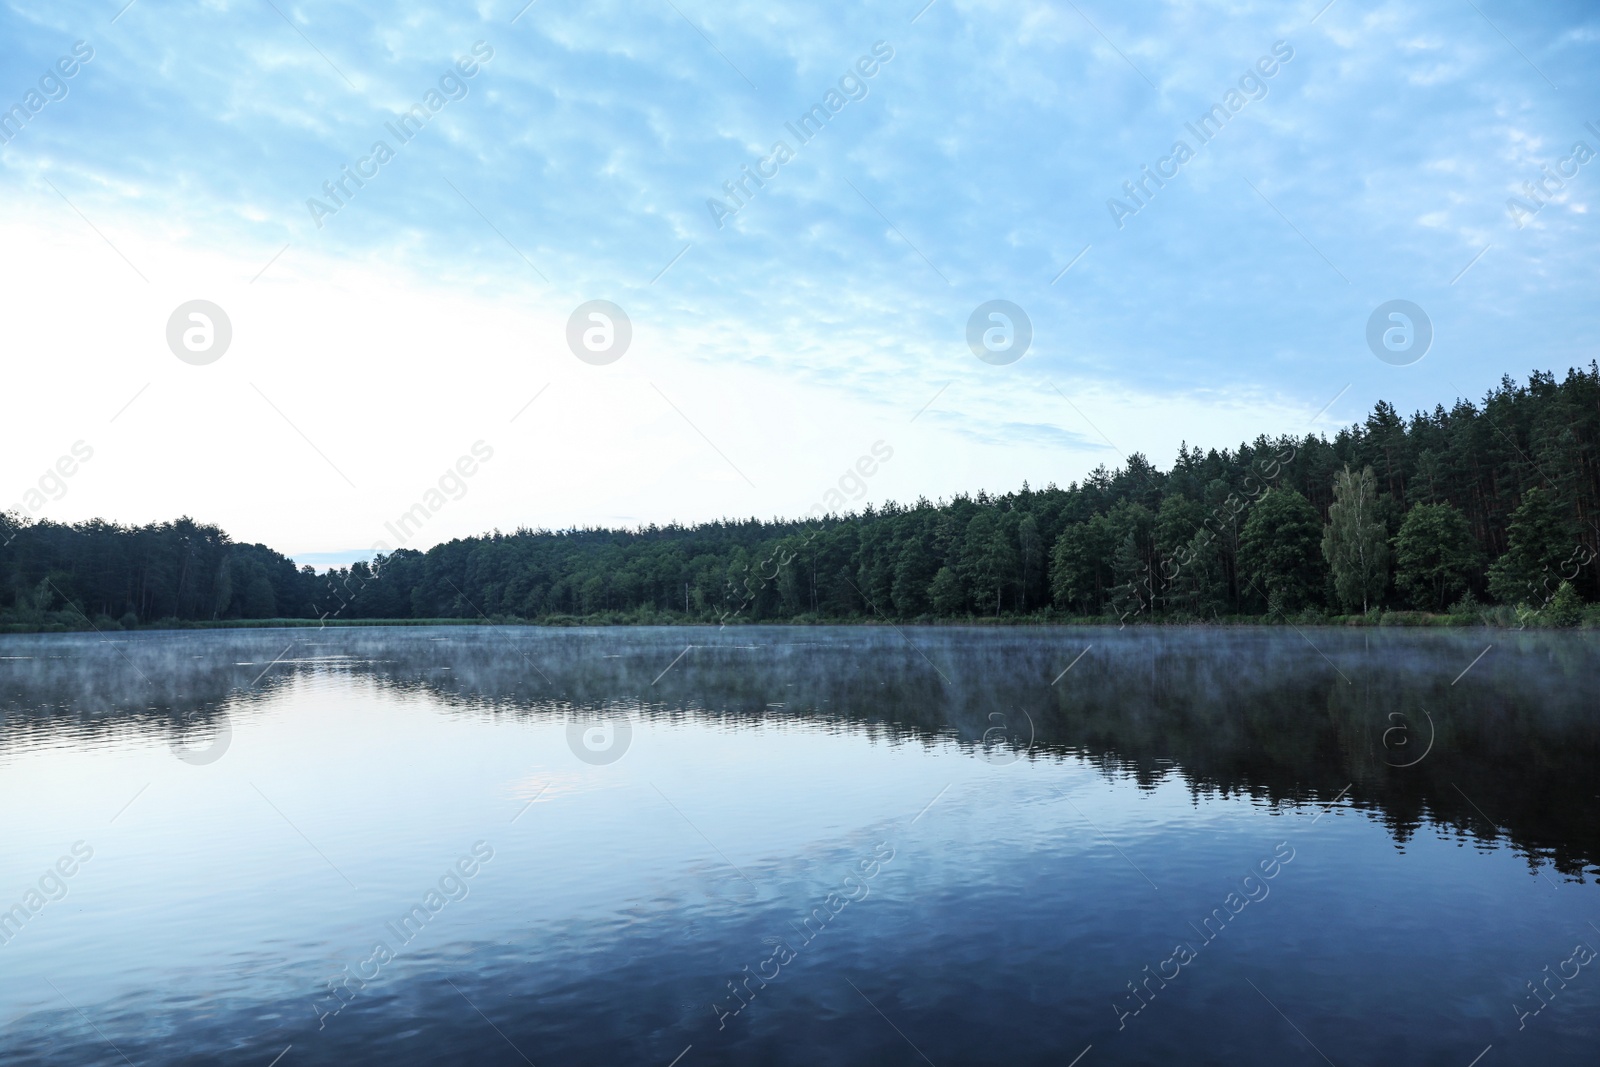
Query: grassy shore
x,y
1491,616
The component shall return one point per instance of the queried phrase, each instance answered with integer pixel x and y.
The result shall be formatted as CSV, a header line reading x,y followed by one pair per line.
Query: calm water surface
x,y
799,846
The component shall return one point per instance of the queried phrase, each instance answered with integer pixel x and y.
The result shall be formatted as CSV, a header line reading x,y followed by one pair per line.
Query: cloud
x,y
579,163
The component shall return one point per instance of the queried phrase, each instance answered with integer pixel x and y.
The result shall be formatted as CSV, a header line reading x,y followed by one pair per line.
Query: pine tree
x,y
1132,595
1133,559
1197,583
1030,545
1540,537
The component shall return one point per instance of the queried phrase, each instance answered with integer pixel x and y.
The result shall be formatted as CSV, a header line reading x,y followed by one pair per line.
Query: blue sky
x,y
576,164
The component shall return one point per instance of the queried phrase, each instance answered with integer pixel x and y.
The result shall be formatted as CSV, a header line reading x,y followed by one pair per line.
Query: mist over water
x,y
798,845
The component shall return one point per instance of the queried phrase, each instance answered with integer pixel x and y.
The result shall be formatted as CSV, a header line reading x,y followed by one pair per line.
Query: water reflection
x,y
1385,720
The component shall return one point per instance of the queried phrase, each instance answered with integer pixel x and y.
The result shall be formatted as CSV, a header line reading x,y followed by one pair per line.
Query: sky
x,y
1197,218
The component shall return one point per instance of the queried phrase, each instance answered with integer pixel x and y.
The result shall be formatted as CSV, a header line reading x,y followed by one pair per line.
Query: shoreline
x,y
1385,620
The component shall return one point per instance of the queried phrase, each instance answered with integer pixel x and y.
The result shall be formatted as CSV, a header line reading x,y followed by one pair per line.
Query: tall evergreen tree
x,y
1031,551
1198,587
1540,538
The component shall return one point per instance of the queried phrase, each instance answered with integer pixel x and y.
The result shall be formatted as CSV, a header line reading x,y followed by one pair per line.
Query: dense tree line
x,y
1490,502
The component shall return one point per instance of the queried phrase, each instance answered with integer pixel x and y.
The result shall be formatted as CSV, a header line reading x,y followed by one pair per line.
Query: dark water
x,y
800,846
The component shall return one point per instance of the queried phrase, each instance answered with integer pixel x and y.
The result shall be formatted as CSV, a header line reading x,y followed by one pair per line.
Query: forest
x,y
1483,512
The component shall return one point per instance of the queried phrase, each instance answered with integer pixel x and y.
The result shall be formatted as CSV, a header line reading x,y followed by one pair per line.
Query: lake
x,y
841,845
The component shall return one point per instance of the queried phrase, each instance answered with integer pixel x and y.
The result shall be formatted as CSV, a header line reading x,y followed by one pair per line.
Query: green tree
x,y
223,598
1002,555
1566,607
914,568
1196,582
1080,565
1279,550
1133,565
1354,542
259,600
1176,524
989,561
1030,545
1069,543
947,594
1226,511
1541,536
1134,593
1434,554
